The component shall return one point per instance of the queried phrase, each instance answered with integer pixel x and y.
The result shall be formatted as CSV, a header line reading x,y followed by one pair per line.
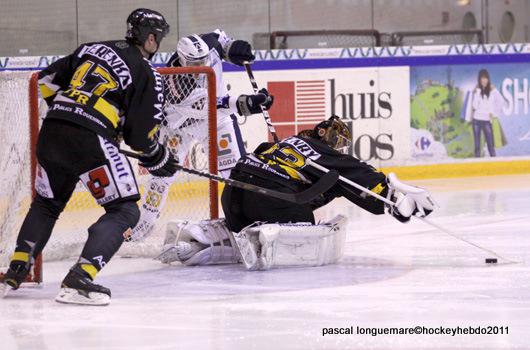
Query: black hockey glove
x,y
251,104
239,52
161,164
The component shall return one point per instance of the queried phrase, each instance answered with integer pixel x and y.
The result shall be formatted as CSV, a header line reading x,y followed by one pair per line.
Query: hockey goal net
x,y
191,100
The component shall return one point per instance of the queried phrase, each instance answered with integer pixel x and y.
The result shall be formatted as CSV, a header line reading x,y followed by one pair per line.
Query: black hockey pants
x,y
67,153
242,208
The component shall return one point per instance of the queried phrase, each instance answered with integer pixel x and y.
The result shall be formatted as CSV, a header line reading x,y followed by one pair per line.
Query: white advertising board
x,y
373,101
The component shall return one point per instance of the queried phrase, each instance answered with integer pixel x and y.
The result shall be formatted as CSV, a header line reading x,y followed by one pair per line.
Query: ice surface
x,y
393,275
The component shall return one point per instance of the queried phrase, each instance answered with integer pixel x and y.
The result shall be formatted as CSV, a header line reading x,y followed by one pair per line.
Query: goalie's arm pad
x,y
355,170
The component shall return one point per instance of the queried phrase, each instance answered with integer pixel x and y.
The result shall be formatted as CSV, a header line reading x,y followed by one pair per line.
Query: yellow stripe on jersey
x,y
378,188
291,172
109,111
153,132
46,91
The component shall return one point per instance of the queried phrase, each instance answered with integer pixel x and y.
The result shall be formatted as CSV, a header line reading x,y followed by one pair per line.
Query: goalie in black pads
x,y
286,166
101,93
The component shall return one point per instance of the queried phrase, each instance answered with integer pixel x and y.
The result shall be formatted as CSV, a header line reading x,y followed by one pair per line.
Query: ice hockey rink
x,y
392,275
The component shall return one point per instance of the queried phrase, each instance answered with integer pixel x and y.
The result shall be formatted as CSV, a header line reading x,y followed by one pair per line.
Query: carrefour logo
x,y
423,143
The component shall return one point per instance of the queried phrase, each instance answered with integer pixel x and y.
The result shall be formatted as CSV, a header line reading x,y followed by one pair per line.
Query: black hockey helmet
x,y
334,132
142,22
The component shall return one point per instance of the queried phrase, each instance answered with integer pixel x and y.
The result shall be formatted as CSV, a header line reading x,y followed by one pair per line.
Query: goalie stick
x,y
389,202
322,185
355,185
266,115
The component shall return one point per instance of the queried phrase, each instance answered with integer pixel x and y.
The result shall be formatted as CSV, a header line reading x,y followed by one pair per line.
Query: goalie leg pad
x,y
300,244
204,243
247,243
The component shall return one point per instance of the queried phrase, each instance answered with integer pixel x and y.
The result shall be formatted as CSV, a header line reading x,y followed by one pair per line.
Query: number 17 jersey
x,y
109,88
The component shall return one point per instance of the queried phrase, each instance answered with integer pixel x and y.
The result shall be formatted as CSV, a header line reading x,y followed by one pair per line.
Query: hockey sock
x,y
107,234
38,225
20,257
90,269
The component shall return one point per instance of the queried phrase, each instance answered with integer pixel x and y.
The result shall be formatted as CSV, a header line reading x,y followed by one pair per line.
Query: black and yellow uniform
x,y
102,92
107,87
282,166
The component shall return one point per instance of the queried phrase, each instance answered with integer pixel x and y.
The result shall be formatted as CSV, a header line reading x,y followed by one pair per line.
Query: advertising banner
x,y
374,102
405,105
469,111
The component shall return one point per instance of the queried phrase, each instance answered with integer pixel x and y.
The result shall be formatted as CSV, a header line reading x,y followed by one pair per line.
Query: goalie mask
x,y
193,51
142,22
335,133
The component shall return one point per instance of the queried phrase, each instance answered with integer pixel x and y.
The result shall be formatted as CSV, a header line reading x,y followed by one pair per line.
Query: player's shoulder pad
x,y
116,45
308,146
212,40
223,39
312,141
120,44
263,147
221,36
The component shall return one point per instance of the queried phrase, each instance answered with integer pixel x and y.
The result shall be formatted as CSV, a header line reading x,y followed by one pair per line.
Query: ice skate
x,y
78,288
15,275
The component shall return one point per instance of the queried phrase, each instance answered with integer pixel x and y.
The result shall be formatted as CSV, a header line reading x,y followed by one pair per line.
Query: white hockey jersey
x,y
218,42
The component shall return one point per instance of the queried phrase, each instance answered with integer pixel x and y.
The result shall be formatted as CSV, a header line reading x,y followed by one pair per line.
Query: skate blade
x,y
72,296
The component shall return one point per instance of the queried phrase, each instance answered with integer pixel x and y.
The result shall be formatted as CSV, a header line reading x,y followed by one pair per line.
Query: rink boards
x,y
408,107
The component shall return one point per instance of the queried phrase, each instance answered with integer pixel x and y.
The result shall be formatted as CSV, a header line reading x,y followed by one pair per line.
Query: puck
x,y
491,260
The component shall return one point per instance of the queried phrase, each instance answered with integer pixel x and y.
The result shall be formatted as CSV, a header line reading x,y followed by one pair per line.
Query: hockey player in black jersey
x,y
103,92
271,232
282,166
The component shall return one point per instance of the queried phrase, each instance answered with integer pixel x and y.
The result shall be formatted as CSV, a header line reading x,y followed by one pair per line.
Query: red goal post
x,y
192,194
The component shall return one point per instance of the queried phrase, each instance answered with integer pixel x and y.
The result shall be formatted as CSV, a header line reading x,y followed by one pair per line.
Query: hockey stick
x,y
322,185
389,202
266,115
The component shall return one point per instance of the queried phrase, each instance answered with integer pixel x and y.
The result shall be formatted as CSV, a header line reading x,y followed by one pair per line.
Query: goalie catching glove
x,y
161,163
251,104
409,200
